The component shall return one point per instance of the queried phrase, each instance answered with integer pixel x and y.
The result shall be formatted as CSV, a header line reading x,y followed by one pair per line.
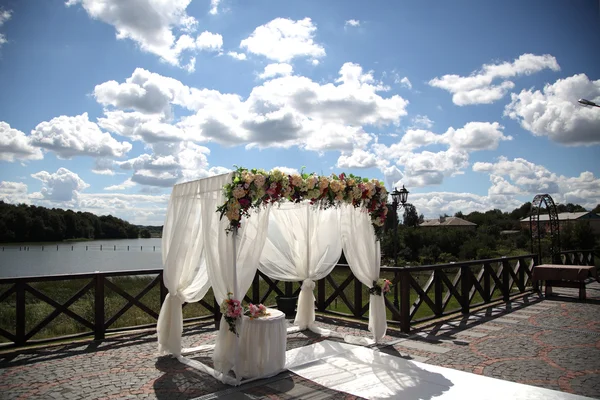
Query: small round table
x,y
262,345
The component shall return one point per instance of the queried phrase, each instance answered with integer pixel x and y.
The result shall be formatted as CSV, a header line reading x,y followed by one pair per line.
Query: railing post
x,y
321,294
357,298
20,328
439,292
256,289
465,288
591,259
217,315
163,289
99,330
487,283
521,274
505,280
289,290
404,301
396,290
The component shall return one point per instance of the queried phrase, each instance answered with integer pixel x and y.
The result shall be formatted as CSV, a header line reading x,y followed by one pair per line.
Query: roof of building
x,y
565,216
448,221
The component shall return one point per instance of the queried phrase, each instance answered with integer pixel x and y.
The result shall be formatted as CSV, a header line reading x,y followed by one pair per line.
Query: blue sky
x,y
471,105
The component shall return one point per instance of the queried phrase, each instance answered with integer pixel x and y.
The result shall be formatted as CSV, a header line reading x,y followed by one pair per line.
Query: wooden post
x,y
505,280
357,298
256,289
163,289
439,292
487,284
289,292
99,330
20,328
321,294
465,288
521,274
404,301
217,313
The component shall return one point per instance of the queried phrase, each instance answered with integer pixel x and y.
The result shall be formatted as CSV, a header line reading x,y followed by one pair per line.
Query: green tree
x,y
411,217
145,233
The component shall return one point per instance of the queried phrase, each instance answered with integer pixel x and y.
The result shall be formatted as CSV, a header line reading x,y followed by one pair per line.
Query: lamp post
x,y
399,198
585,102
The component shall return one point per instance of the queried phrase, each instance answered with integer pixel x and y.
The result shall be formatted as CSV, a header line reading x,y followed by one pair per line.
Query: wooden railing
x,y
420,293
579,257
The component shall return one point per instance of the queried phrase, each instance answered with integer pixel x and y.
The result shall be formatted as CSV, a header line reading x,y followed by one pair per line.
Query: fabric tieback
x,y
308,284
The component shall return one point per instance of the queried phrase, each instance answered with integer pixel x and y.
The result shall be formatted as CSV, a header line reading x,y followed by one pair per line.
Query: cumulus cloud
x,y
283,39
405,82
554,111
287,170
4,16
214,7
422,121
429,168
352,22
13,192
209,41
159,27
478,88
357,159
276,69
236,55
77,136
528,178
62,186
15,145
125,185
433,204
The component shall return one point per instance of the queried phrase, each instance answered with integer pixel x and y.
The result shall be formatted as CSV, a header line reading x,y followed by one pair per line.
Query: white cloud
x,y
276,69
433,204
125,185
352,22
422,121
237,56
501,186
531,179
554,111
77,136
429,168
478,88
13,192
209,41
15,145
405,82
284,39
476,136
314,62
357,159
62,186
157,26
4,16
214,7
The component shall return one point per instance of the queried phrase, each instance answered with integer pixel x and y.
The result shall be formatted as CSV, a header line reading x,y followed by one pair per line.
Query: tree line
x,y
497,234
24,223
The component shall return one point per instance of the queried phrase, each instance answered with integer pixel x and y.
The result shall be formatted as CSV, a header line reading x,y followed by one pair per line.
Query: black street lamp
x,y
586,102
399,198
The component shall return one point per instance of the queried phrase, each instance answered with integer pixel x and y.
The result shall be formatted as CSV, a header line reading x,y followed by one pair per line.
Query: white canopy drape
x,y
363,253
303,244
185,274
232,260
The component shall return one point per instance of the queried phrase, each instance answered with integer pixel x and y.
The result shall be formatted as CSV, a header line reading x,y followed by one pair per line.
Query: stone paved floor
x,y
552,343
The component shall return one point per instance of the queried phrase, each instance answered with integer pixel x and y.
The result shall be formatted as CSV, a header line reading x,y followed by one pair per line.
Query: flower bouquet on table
x,y
256,311
380,286
231,310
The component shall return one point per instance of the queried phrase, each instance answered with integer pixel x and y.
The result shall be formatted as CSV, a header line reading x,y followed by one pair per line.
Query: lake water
x,y
90,256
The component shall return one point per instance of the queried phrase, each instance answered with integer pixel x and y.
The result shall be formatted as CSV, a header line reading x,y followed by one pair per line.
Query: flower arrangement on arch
x,y
381,286
254,188
231,310
256,311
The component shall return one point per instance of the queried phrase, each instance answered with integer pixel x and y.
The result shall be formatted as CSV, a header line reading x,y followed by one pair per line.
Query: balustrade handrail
x,y
463,284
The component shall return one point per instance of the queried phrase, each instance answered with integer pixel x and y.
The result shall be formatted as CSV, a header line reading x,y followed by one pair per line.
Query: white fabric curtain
x,y
184,273
303,244
363,253
219,250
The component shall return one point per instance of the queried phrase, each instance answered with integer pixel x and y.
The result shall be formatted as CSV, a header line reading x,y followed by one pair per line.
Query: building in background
x,y
567,218
453,222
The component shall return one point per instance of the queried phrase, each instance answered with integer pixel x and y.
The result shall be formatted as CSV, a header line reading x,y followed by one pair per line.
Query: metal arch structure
x,y
553,225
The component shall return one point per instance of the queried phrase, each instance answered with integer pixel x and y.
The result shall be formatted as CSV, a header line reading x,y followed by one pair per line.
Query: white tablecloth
x,y
262,345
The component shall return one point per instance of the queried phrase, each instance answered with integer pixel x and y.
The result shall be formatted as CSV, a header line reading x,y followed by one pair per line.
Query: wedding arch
x,y
219,230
